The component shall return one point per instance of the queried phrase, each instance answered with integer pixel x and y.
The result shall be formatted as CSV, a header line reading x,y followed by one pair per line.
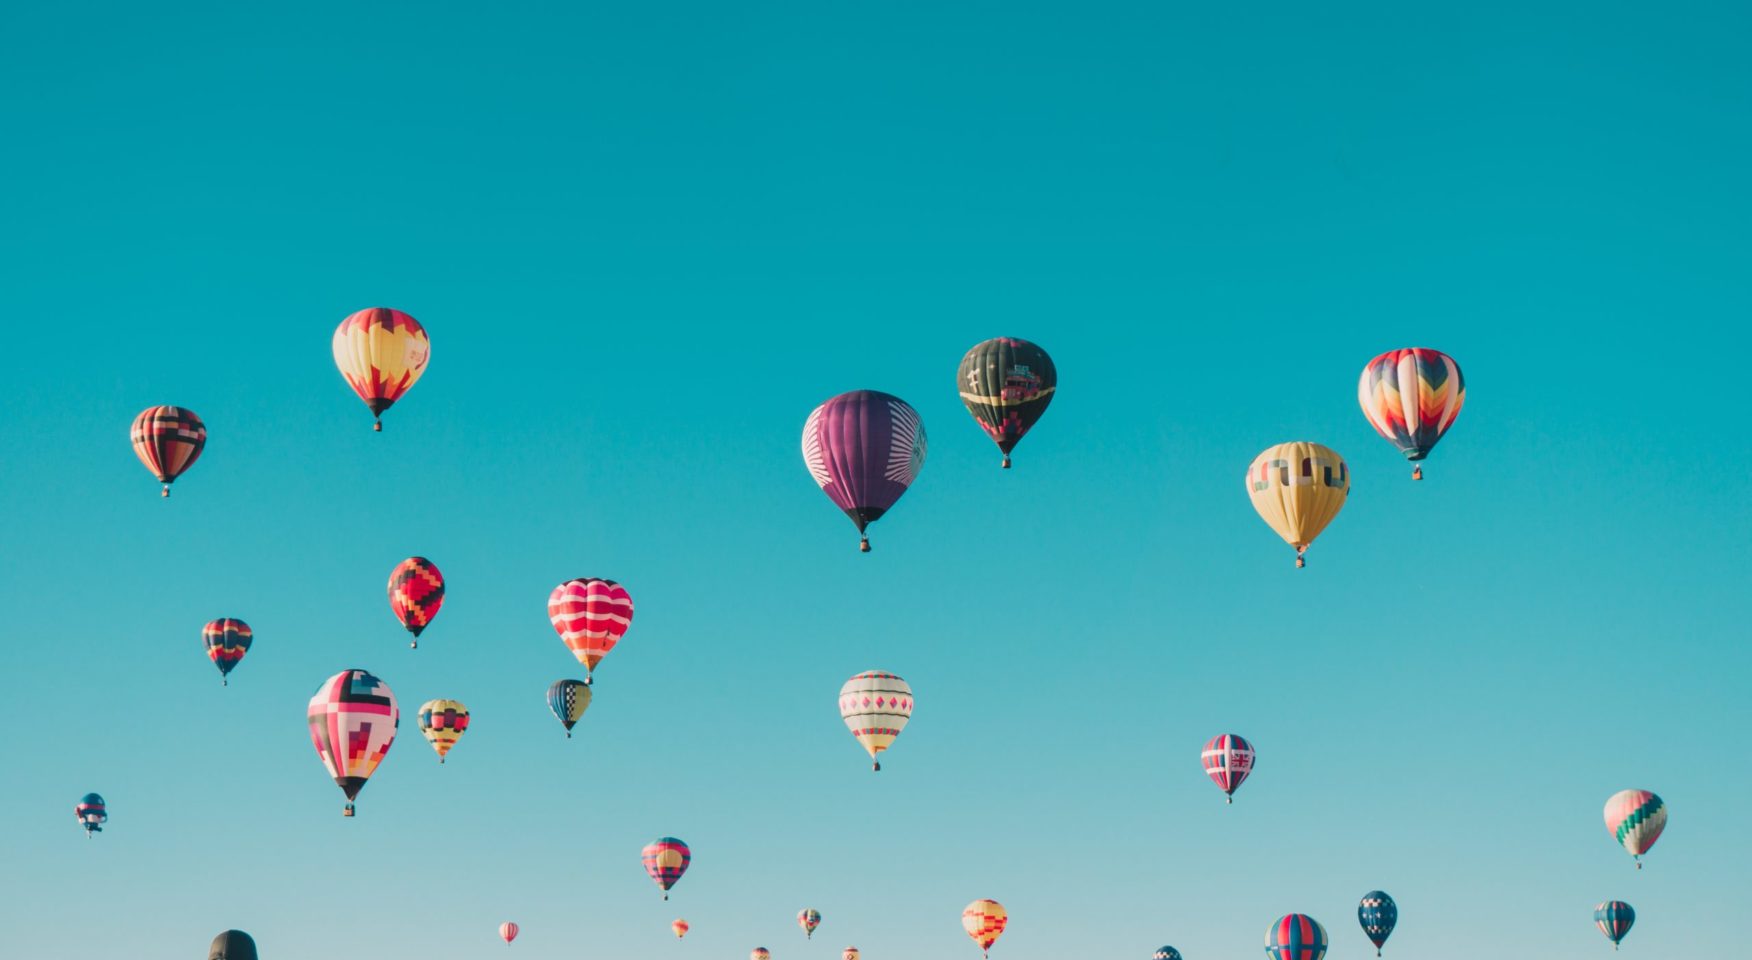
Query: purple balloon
x,y
864,449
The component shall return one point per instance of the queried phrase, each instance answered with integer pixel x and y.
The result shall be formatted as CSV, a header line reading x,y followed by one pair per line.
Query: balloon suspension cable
x,y
1006,461
1417,473
377,426
864,545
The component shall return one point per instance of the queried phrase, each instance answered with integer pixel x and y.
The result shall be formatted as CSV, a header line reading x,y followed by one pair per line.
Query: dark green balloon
x,y
1006,384
232,945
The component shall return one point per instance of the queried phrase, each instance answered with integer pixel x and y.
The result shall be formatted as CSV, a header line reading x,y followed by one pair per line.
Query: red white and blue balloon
x,y
1378,915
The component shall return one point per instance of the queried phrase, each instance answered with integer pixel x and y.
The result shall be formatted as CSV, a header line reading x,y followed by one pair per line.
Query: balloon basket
x,y
413,644
1006,461
347,811
377,426
864,545
165,492
1417,473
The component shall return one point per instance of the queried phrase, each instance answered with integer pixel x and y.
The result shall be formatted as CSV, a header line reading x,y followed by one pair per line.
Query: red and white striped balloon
x,y
507,931
590,615
1228,759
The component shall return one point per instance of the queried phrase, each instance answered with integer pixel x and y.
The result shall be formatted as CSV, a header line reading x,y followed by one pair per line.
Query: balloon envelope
x,y
1228,760
680,927
353,719
808,920
760,953
91,813
227,640
508,931
1166,953
665,860
591,615
1378,915
416,591
232,945
168,440
568,699
1006,383
1614,918
381,353
849,953
1411,397
864,448
443,722
1295,937
1636,819
1298,488
984,921
875,707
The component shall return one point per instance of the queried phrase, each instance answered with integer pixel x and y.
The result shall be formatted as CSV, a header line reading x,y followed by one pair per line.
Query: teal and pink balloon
x,y
1636,819
92,813
1378,915
1614,918
1295,937
864,449
1006,383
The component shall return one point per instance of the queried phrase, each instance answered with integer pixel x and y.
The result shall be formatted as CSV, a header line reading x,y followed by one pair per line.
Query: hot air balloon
x,y
850,953
875,707
760,953
1228,759
1378,914
508,932
680,927
1295,937
1614,918
353,719
1298,488
1411,397
864,449
808,920
1636,819
666,859
1166,953
227,640
168,440
591,615
568,699
443,722
91,813
232,945
1006,384
381,352
984,921
416,591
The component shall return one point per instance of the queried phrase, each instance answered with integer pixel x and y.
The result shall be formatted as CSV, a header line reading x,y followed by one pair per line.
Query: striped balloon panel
x,y
864,449
1636,819
353,718
508,931
1614,918
1411,397
876,707
1295,937
1006,383
227,639
443,722
1166,953
665,860
381,353
1298,488
416,591
1228,760
1378,915
984,921
91,812
590,615
168,440
809,920
568,699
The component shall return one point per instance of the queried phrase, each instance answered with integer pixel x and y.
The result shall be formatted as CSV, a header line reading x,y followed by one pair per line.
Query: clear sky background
x,y
646,240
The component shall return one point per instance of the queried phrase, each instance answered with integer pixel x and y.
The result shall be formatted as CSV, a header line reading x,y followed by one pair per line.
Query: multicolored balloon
x,y
1166,953
91,813
1295,937
590,615
1006,384
168,440
1379,915
508,932
850,953
808,920
1411,397
864,449
568,699
227,639
760,953
1636,819
984,921
875,707
680,927
443,722
1298,488
1614,918
381,352
666,859
353,719
416,591
1228,760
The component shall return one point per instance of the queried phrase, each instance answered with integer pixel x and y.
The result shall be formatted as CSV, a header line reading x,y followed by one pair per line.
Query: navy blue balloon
x,y
1167,953
1378,914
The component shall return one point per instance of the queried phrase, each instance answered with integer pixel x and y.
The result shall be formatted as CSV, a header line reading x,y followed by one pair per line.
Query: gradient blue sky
x,y
648,241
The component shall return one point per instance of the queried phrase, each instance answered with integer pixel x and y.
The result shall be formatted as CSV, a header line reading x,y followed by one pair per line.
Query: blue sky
x,y
647,240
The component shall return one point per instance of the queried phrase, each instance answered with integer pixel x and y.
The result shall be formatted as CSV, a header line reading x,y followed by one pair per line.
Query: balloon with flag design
x,y
227,640
353,719
568,699
1378,915
1297,489
92,813
984,921
665,860
168,440
864,449
416,591
1228,760
808,920
381,353
1006,383
1295,937
1636,819
1614,918
875,707
508,932
443,722
1411,397
591,615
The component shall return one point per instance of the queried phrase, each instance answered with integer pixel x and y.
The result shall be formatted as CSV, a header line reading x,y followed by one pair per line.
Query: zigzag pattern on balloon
x,y
1412,397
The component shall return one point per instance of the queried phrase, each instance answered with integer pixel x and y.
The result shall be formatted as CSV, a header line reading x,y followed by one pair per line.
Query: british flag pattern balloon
x,y
1228,760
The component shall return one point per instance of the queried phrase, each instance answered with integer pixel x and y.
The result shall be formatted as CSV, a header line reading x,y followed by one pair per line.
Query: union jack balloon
x,y
1295,937
1378,915
227,639
353,719
1411,397
875,707
1636,819
808,920
864,449
665,860
1614,918
1228,759
590,615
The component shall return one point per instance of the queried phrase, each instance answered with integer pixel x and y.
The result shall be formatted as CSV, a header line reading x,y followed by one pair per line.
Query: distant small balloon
x,y
808,920
680,927
1378,915
416,591
232,945
508,932
1636,819
227,640
1228,760
168,440
850,953
984,921
1295,937
91,813
568,699
1166,953
760,953
443,722
1614,918
665,860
